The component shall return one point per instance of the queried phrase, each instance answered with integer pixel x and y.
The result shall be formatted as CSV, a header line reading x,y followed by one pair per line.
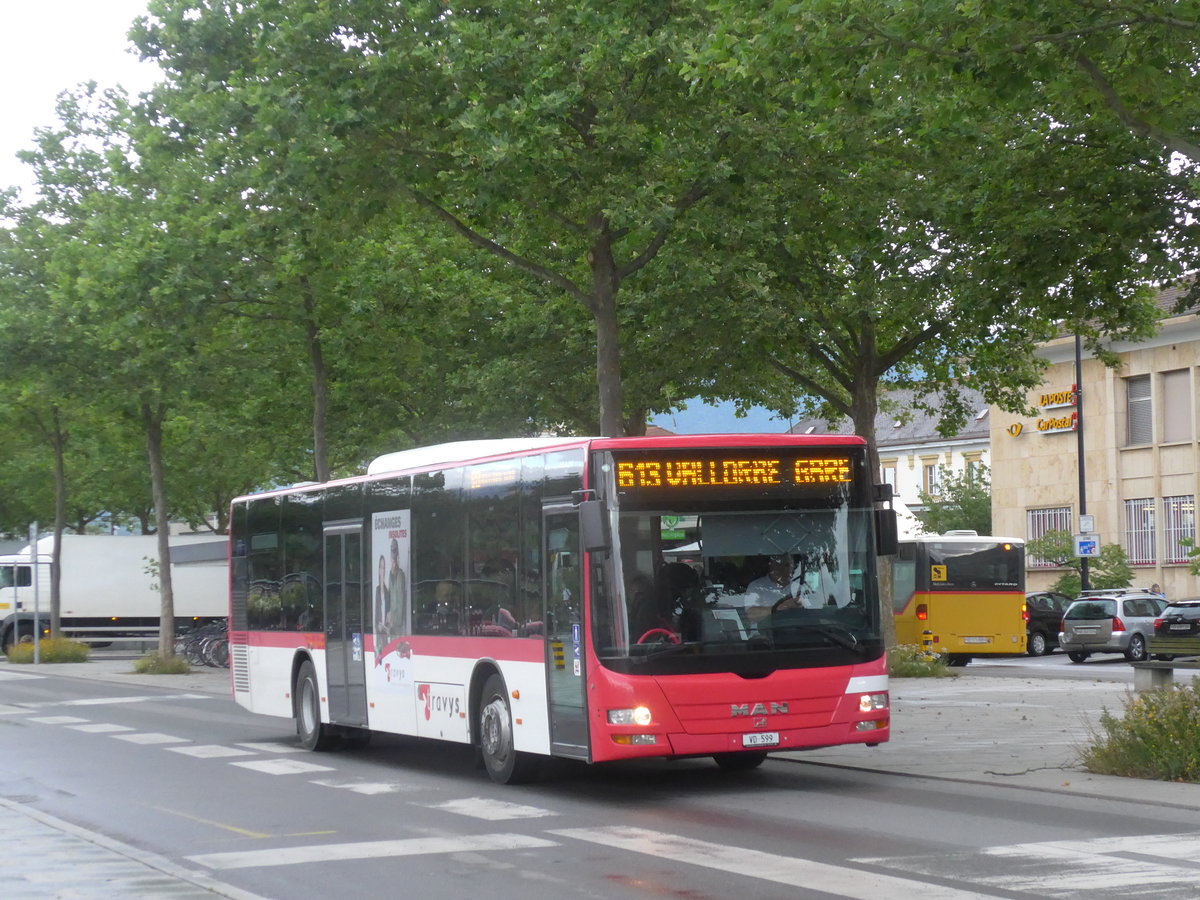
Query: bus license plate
x,y
977,640
761,739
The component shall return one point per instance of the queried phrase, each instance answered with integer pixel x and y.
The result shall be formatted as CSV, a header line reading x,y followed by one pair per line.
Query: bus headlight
x,y
871,702
639,715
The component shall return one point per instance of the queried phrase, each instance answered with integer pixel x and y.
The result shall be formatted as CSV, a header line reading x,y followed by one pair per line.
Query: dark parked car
x,y
1181,618
1116,621
1043,617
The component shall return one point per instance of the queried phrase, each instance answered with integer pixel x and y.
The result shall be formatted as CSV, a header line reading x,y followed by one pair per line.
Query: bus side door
x,y
563,599
345,624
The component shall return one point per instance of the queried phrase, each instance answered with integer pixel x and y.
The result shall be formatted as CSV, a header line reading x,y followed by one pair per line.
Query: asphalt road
x,y
173,773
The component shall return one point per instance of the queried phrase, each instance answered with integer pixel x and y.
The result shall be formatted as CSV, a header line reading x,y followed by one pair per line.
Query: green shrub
x,y
50,650
1155,738
154,664
913,661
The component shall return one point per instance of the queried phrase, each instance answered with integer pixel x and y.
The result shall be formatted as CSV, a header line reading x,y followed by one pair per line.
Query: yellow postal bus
x,y
961,594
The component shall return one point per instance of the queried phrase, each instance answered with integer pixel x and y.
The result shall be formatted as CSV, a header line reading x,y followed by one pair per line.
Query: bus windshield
x,y
713,583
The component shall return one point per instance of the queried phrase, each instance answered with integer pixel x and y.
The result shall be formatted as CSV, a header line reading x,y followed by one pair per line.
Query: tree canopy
x,y
342,228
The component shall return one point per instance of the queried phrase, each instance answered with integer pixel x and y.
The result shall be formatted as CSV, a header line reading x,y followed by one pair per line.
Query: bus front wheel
x,y
314,735
500,757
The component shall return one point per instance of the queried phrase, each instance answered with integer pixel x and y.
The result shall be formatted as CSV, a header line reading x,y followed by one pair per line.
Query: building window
x,y
1138,411
1039,523
1177,406
930,479
1139,531
1179,523
889,473
975,468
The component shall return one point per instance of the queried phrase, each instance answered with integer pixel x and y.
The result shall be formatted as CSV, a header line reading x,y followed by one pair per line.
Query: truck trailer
x,y
109,590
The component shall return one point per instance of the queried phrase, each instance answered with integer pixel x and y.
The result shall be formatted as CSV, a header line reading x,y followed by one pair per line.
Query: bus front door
x,y
564,632
345,662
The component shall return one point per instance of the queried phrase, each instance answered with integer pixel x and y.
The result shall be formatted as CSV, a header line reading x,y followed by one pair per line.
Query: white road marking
x,y
210,751
269,747
492,810
282,766
1071,869
101,728
18,676
112,701
326,853
57,720
369,788
841,881
151,737
9,710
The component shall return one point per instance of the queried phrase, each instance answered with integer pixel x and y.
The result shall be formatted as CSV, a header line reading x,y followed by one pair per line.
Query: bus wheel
x,y
503,763
739,762
313,734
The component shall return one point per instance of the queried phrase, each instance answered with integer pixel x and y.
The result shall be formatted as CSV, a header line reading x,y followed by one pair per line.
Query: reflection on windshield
x,y
741,582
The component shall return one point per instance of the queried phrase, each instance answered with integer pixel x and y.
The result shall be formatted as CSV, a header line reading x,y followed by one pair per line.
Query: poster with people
x,y
391,593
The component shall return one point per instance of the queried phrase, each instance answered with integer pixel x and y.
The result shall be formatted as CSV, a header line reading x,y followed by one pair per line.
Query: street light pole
x,y
1084,580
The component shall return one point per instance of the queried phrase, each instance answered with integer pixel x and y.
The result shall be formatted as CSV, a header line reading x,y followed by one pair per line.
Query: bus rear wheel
x,y
314,735
500,757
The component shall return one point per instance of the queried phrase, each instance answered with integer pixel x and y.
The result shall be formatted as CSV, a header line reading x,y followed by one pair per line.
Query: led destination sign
x,y
750,471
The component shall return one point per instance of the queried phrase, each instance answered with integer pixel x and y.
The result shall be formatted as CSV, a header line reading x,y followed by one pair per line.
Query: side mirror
x,y
593,526
887,536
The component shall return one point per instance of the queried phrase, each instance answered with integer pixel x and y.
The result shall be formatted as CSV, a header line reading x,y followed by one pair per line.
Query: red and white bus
x,y
589,598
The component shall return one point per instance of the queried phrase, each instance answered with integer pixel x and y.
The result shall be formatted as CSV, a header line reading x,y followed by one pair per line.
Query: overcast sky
x,y
53,45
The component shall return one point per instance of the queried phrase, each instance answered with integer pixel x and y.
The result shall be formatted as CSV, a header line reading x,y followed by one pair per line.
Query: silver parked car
x,y
1116,621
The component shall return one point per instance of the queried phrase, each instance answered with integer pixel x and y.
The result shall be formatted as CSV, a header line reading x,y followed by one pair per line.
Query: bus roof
x,y
437,456
961,538
468,451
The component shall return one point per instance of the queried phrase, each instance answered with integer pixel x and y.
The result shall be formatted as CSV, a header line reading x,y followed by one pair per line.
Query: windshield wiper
x,y
832,633
838,636
672,649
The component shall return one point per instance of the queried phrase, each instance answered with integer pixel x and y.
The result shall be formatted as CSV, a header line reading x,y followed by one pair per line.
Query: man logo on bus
x,y
759,709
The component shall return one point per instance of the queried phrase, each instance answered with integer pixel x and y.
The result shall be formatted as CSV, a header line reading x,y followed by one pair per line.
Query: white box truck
x,y
106,592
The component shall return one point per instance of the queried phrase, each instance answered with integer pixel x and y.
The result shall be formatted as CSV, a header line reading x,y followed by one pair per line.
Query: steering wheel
x,y
782,600
668,636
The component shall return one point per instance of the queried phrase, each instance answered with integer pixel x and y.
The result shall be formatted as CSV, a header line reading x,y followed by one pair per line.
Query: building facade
x,y
1140,450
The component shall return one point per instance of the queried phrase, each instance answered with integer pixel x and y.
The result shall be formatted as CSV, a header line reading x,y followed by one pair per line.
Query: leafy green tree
x,y
963,502
563,143
1130,63
123,287
1110,569
894,224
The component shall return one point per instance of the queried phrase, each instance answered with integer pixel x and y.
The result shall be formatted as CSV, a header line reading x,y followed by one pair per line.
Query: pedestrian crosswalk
x,y
1157,865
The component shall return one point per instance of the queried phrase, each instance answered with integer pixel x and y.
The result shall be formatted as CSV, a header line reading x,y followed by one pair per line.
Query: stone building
x,y
1141,453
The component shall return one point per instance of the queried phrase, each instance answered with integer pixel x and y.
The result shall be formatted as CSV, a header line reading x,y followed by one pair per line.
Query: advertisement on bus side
x,y
392,593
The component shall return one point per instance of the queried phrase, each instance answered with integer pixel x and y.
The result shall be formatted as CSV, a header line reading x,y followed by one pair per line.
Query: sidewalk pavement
x,y
980,727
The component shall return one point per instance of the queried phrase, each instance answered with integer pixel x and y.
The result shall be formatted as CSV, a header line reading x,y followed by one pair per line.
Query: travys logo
x,y
437,702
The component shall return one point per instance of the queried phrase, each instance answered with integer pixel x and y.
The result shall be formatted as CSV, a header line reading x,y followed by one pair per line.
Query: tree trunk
x,y
152,419
603,304
320,384
864,407
60,523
